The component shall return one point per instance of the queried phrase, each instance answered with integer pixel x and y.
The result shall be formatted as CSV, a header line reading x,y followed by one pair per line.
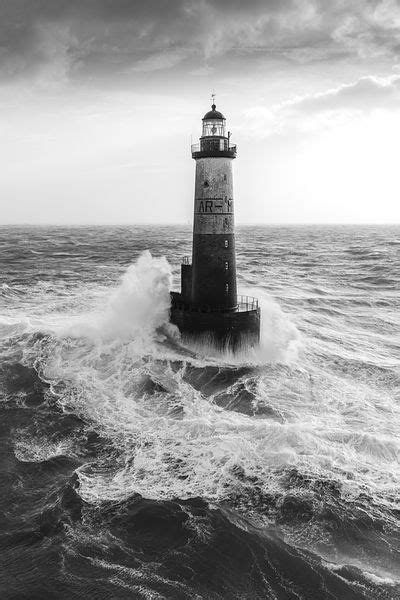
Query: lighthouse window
x,y
226,243
205,184
214,127
226,266
225,178
226,288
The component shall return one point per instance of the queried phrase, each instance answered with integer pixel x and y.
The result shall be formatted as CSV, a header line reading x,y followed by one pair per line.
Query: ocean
x,y
134,466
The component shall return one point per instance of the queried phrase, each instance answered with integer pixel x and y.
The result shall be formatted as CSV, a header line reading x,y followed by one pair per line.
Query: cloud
x,y
160,61
367,93
81,39
329,108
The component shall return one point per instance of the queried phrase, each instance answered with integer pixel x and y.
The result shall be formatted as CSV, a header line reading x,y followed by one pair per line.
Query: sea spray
x,y
280,340
141,303
135,309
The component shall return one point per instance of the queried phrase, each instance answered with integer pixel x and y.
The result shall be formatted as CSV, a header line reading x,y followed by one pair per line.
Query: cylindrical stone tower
x,y
213,261
208,309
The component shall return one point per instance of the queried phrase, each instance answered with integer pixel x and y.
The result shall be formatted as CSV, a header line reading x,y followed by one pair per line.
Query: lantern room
x,y
213,123
214,141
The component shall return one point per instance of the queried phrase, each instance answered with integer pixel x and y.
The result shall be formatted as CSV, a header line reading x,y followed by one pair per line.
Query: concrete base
x,y
233,330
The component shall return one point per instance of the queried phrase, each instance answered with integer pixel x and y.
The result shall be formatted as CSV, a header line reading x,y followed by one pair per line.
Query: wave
x,y
182,422
185,548
147,448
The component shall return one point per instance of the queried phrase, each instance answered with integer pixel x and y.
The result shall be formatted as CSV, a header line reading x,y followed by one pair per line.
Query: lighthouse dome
x,y
213,114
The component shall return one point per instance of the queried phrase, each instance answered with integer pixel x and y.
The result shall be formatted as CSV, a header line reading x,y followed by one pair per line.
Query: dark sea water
x,y
134,467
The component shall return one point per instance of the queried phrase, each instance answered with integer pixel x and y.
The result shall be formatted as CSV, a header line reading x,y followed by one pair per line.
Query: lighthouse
x,y
208,308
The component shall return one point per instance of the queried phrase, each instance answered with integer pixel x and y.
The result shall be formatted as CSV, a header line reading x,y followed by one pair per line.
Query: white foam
x,y
172,441
280,340
380,580
135,309
141,303
34,449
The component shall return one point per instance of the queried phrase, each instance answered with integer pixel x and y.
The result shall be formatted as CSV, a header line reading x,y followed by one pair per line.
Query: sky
x,y
100,99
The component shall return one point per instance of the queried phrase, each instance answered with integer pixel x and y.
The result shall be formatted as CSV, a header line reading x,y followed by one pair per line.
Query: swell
x,y
313,513
135,466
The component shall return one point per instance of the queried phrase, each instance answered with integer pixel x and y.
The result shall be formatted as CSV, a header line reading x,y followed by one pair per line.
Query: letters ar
x,y
206,206
215,205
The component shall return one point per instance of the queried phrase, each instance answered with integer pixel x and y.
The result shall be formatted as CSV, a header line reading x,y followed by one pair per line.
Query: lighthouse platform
x,y
234,329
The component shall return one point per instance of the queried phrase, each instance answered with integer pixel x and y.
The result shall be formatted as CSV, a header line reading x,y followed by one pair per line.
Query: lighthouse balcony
x,y
213,147
244,304
217,326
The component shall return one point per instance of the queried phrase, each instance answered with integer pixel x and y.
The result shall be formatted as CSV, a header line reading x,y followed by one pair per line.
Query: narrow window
x,y
226,288
226,243
205,184
225,177
226,265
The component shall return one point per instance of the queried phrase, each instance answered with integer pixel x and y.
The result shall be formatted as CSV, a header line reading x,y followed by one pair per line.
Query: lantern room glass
x,y
214,127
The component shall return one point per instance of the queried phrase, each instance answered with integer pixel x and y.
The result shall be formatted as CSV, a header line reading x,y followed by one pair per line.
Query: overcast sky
x,y
99,100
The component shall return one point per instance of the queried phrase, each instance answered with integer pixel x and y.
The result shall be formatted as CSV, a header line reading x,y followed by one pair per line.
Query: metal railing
x,y
246,303
186,260
207,147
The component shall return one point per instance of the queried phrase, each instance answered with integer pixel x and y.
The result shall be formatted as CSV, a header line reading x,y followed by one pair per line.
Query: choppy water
x,y
133,467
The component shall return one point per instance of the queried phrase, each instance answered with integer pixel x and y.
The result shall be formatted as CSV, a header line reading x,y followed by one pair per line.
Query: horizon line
x,y
186,224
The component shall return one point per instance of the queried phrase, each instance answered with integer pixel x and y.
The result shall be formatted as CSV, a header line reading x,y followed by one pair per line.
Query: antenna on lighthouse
x,y
213,99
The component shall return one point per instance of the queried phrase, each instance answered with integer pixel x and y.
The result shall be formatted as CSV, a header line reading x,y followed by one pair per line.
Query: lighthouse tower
x,y
208,307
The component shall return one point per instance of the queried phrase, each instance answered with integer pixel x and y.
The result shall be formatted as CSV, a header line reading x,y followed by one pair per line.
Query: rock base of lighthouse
x,y
232,330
